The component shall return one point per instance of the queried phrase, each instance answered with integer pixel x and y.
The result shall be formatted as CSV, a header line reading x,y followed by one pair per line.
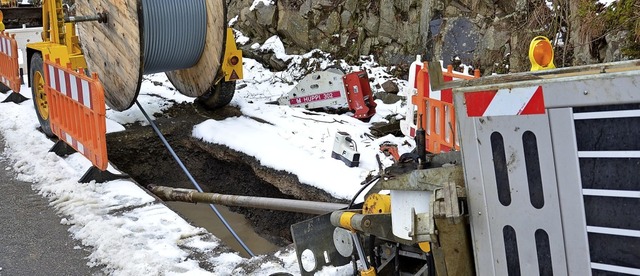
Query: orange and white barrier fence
x,y
9,68
77,110
436,109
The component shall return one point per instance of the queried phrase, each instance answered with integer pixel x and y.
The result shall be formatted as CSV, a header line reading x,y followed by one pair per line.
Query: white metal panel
x,y
478,215
488,215
520,214
570,191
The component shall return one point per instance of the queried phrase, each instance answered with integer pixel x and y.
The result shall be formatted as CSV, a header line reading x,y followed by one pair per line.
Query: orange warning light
x,y
541,54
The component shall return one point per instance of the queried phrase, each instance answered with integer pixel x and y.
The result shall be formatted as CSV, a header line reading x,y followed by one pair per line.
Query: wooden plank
x,y
113,50
197,80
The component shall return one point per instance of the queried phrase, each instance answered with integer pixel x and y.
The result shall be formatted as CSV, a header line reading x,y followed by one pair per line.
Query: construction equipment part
x,y
122,40
418,197
390,149
132,44
279,204
570,168
333,89
345,149
547,186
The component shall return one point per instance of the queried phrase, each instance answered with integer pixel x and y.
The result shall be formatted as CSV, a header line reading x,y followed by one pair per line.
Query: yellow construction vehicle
x,y
211,78
59,42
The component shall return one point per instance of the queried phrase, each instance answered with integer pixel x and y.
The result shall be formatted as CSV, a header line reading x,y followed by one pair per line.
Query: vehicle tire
x,y
218,96
40,102
4,88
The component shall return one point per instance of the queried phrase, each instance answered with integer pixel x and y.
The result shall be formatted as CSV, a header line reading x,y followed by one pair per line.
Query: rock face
x,y
492,35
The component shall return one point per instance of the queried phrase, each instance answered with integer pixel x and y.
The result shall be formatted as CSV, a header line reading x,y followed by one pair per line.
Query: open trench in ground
x,y
139,152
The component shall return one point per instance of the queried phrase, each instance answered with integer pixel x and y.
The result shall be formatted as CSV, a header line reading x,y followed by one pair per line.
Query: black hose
x,y
364,186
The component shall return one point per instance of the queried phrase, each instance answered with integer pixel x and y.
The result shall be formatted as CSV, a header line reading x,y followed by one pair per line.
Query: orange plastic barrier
x,y
77,110
9,67
437,111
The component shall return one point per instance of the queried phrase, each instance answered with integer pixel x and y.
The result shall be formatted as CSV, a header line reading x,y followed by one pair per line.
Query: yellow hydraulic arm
x,y
59,39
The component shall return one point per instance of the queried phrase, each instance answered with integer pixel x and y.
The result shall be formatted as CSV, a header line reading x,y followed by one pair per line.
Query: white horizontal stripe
x,y
611,193
510,102
615,268
606,114
613,231
609,154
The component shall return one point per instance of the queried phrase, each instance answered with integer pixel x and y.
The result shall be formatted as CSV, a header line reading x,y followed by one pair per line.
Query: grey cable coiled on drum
x,y
174,34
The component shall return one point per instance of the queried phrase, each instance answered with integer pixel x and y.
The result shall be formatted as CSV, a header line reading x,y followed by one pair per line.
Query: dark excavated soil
x,y
141,154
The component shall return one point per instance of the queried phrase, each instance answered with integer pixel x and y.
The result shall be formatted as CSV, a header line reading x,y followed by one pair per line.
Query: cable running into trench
x,y
195,183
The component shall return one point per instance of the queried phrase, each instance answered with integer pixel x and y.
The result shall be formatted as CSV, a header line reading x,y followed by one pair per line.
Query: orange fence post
x,y
9,67
437,111
77,110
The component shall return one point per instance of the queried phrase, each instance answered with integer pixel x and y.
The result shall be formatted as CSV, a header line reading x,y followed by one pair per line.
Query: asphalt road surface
x,y
32,240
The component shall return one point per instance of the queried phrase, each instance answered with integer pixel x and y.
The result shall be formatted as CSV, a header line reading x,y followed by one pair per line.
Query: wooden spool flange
x,y
115,50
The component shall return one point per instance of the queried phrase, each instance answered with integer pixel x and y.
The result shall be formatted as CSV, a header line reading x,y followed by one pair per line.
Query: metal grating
x,y
584,182
609,158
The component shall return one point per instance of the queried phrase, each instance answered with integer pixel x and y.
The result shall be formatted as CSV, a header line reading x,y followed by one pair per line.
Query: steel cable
x,y
193,181
174,36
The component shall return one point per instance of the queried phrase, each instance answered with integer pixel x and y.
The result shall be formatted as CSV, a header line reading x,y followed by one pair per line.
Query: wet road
x,y
32,240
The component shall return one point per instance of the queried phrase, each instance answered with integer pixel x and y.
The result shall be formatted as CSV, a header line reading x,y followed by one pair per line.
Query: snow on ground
x,y
264,2
606,3
130,233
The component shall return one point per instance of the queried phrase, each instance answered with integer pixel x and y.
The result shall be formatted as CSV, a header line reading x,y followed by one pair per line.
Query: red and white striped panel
x,y
505,102
74,143
5,48
73,87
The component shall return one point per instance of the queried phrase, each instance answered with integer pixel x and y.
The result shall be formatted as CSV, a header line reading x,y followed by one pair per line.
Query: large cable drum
x,y
184,38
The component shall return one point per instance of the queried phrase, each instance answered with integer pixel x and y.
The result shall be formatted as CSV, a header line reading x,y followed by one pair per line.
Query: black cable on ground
x,y
195,183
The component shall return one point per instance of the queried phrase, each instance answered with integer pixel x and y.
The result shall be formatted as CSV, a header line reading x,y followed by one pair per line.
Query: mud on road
x,y
138,152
